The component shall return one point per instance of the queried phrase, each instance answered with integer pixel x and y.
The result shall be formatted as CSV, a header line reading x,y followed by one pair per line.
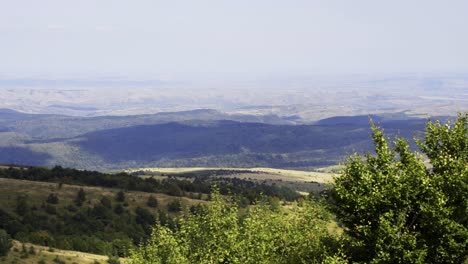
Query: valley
x,y
201,138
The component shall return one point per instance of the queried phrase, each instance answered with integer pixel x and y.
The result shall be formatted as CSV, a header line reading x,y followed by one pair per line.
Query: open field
x,y
301,181
256,173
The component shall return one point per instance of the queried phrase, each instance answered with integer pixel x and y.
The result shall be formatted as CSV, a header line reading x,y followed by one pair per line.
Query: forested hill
x,y
263,141
176,140
42,126
219,144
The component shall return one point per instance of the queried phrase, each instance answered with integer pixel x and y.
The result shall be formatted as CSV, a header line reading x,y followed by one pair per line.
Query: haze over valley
x,y
299,99
240,132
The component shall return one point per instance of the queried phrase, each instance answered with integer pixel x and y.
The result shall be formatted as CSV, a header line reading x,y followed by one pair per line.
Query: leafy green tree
x,y
396,210
5,243
42,238
218,234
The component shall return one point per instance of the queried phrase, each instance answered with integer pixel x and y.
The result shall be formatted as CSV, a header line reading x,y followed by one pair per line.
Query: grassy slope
x,y
48,255
38,191
303,181
262,173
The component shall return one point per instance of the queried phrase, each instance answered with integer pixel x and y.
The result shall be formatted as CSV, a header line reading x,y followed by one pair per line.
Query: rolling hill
x,y
201,138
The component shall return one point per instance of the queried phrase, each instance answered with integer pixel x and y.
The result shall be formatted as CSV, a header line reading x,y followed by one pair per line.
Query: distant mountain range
x,y
205,138
301,99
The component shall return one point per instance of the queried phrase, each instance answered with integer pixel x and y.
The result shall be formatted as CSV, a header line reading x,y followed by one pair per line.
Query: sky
x,y
162,39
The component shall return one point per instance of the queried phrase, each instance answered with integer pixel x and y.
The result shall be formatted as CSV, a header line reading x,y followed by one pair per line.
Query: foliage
x,y
95,227
22,205
395,210
152,201
90,224
190,182
80,197
120,196
218,234
5,243
52,198
174,206
113,260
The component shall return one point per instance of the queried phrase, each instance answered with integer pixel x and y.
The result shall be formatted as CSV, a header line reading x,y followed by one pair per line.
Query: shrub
x,y
152,201
80,197
119,209
120,196
174,206
113,260
52,198
5,243
106,202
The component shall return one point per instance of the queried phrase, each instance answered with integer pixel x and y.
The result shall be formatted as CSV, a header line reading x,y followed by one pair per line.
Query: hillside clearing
x,y
256,173
38,192
49,254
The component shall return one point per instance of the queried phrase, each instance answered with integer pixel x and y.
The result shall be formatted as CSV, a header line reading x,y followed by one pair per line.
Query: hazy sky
x,y
64,38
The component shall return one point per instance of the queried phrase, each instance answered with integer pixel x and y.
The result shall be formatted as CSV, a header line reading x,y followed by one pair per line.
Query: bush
x,y
119,209
22,205
113,260
174,206
58,260
50,209
120,197
5,243
152,201
80,197
52,198
32,251
106,202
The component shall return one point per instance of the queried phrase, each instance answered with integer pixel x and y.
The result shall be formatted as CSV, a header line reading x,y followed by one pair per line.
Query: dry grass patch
x,y
48,255
38,192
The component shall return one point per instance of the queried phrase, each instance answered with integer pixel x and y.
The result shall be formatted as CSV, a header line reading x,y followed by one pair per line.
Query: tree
x,y
5,243
80,197
218,234
395,210
152,201
22,205
106,202
120,196
119,209
52,198
174,206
